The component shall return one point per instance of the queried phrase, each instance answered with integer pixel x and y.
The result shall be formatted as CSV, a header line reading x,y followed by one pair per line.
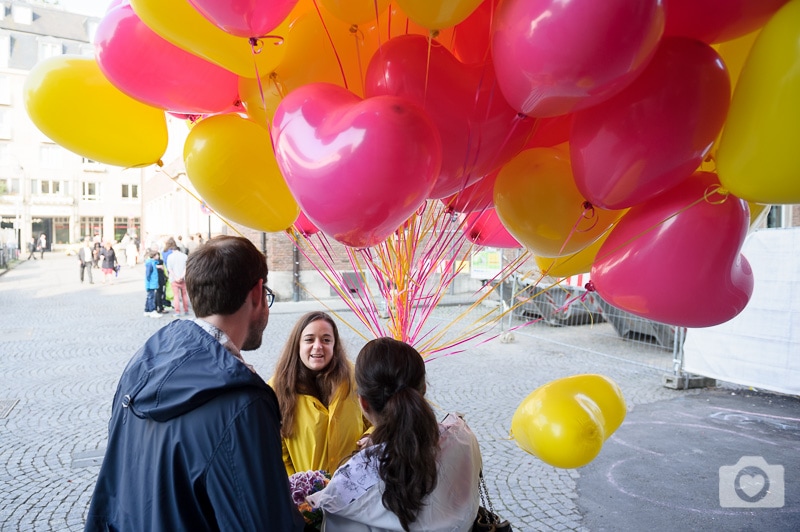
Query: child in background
x,y
151,285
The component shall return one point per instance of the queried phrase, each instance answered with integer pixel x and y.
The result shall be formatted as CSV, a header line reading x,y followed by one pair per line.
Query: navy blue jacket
x,y
193,443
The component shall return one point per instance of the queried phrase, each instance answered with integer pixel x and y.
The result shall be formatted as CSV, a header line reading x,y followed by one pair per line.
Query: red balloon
x,y
655,133
479,130
551,132
486,229
156,72
554,57
471,38
304,226
476,197
357,168
675,258
713,21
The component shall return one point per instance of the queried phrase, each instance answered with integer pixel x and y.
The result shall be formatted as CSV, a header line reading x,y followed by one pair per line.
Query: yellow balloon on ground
x,y
758,158
537,200
438,14
70,100
562,429
178,22
229,160
606,394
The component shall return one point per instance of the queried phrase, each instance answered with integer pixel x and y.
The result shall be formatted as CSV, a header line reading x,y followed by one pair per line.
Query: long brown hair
x,y
390,376
292,377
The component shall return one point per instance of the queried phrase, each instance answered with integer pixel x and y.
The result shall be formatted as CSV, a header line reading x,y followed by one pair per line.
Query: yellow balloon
x,y
178,22
70,101
355,11
561,428
605,393
580,262
229,160
438,14
758,158
538,202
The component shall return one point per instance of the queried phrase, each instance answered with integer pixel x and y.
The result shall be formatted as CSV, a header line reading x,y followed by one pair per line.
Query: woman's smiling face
x,y
316,345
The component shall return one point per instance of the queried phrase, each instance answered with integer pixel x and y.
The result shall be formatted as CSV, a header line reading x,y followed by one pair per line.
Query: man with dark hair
x,y
194,437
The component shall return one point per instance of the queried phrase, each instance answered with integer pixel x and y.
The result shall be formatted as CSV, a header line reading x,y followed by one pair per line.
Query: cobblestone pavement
x,y
63,346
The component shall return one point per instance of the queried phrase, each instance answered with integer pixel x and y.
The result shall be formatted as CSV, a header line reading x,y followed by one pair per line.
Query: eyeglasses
x,y
269,295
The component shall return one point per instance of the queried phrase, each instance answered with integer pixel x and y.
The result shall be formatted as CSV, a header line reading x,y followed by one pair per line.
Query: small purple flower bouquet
x,y
303,484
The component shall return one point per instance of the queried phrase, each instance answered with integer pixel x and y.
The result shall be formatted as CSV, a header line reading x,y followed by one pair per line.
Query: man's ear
x,y
256,294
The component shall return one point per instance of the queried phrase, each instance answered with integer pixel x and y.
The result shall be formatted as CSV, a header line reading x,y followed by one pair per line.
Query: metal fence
x,y
569,314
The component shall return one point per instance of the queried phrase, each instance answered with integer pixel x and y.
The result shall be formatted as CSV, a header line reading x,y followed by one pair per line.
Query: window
x,y
22,14
130,191
90,191
50,48
12,185
61,228
50,187
91,225
120,228
5,123
50,156
5,84
5,154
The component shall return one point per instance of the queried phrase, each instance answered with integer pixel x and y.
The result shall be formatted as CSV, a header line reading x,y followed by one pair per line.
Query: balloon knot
x,y
434,34
354,28
589,286
160,163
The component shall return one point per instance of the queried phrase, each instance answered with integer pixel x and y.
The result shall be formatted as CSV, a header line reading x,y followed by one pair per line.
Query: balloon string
x,y
197,198
330,40
354,29
706,197
256,46
587,214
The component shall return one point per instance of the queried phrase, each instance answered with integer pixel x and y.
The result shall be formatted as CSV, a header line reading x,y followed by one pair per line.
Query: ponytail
x,y
391,378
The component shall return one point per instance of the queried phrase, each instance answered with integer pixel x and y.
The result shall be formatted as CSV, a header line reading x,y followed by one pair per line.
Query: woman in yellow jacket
x,y
321,420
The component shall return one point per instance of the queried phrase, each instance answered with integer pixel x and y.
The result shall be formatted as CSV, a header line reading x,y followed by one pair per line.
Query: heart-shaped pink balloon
x,y
655,133
245,18
554,57
358,168
486,229
675,258
148,68
480,132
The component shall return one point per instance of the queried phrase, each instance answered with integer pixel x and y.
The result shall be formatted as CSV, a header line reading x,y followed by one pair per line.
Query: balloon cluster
x,y
566,421
629,137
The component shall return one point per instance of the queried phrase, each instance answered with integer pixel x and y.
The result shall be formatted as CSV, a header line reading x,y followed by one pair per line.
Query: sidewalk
x,y
63,346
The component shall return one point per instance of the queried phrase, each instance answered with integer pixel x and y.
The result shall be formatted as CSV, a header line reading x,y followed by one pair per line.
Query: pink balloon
x,y
713,21
554,57
486,229
245,18
675,258
472,37
476,197
480,132
358,168
148,68
304,226
656,132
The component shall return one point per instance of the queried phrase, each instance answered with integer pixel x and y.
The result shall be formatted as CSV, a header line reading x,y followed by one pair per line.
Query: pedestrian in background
x,y
42,245
32,248
194,437
85,258
176,269
109,258
151,285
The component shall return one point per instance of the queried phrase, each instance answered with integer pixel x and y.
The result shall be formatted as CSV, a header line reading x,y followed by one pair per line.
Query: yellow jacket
x,y
322,437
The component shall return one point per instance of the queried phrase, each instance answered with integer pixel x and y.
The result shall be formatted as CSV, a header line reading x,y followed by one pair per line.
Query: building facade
x,y
45,188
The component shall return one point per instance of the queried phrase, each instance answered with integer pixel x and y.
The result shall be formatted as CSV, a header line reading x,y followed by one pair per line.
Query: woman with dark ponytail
x,y
416,473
